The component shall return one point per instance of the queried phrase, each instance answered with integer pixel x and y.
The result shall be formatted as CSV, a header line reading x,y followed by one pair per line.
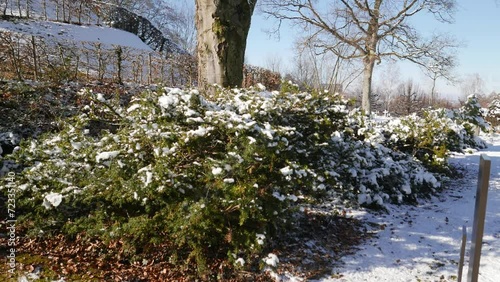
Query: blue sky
x,y
477,24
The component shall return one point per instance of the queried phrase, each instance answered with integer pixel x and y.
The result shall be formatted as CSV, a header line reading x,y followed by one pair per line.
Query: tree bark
x,y
222,30
369,63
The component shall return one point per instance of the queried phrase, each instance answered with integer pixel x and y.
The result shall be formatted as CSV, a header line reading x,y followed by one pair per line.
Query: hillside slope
x,y
63,32
43,45
85,19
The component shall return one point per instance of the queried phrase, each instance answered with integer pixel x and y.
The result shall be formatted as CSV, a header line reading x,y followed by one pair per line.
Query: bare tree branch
x,y
367,30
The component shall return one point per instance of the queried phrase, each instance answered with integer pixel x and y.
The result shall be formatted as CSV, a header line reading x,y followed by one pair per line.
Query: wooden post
x,y
462,253
150,66
479,216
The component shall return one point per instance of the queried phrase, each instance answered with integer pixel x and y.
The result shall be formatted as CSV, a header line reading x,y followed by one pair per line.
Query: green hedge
x,y
218,176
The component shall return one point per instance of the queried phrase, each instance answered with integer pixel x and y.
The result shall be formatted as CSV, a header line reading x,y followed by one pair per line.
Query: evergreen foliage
x,y
222,175
492,114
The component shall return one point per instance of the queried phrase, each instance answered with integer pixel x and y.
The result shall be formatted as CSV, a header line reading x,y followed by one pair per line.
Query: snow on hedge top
x,y
52,200
324,148
68,32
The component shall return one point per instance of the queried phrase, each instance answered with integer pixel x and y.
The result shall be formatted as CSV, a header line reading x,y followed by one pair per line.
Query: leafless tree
x,y
181,27
442,64
274,62
486,99
442,69
301,70
389,80
311,66
367,30
174,18
315,69
410,99
471,84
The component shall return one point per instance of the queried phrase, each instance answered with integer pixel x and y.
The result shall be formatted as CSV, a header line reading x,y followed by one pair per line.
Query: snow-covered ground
x,y
422,243
62,32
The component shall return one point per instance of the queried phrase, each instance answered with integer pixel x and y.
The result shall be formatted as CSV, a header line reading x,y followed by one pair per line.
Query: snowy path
x,y
422,243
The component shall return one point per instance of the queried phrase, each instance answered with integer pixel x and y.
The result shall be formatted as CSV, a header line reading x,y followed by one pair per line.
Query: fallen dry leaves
x,y
310,250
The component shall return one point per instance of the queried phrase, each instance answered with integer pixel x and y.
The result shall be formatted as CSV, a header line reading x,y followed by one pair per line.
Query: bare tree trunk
x,y
222,28
35,59
119,61
317,73
64,10
80,11
70,8
369,63
333,81
57,10
44,7
19,8
433,91
29,7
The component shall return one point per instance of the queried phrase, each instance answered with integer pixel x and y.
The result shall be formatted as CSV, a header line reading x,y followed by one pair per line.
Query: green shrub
x,y
431,136
492,114
165,174
222,175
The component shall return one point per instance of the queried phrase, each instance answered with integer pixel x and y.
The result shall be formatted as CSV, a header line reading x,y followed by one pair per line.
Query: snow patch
x,y
106,156
271,260
52,200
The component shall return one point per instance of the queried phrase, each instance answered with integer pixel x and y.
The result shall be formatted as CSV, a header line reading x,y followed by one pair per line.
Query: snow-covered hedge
x,y
492,113
431,136
209,175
